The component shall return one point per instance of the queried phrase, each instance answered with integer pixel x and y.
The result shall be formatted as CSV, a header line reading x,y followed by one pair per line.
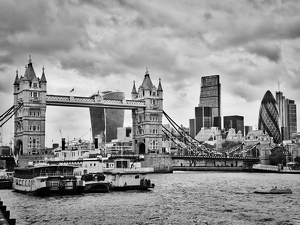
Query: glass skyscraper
x,y
268,117
287,116
210,100
106,121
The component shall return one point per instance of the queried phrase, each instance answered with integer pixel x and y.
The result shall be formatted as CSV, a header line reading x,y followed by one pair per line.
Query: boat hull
x,y
97,187
274,191
5,184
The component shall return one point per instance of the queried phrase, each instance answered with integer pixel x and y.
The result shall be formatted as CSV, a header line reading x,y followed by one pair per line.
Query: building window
x,y
30,129
33,142
35,94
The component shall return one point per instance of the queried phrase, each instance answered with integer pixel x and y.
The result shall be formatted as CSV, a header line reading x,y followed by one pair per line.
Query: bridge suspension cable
x,y
3,116
172,137
9,113
194,143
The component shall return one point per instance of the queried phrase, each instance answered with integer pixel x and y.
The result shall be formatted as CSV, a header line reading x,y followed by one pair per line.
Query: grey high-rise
x,y
106,121
210,97
287,119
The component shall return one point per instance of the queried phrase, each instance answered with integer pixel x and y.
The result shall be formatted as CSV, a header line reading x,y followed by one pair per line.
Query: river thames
x,y
178,198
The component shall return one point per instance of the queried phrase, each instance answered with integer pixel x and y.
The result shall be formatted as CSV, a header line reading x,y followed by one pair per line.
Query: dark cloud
x,y
268,50
208,16
250,44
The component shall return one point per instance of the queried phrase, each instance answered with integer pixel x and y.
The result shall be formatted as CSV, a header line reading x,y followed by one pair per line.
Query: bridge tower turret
x,y
147,122
29,121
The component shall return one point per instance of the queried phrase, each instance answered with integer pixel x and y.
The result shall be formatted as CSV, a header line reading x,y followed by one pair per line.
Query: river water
x,y
178,198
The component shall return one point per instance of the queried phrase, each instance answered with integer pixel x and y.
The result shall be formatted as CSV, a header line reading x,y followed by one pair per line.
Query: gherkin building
x,y
268,117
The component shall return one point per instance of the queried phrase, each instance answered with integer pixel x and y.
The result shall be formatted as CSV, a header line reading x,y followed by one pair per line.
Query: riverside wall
x,y
166,164
5,216
208,168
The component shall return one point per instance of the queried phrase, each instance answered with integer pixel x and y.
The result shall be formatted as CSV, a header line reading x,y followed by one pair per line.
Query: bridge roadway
x,y
95,101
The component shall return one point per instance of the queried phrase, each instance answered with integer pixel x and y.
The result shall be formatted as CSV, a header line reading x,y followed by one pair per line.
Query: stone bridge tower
x,y
147,122
29,122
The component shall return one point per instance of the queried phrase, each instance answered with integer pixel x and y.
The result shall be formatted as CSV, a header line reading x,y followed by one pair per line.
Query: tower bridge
x,y
146,104
31,100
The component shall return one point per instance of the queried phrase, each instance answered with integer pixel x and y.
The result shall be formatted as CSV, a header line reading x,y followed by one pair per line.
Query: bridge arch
x,y
141,148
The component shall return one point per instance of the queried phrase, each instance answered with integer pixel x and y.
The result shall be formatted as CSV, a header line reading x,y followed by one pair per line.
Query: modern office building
x,y
248,129
203,118
287,120
192,128
235,122
105,122
268,117
210,100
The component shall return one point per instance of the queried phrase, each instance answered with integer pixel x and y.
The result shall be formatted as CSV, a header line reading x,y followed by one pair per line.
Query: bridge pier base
x,y
161,163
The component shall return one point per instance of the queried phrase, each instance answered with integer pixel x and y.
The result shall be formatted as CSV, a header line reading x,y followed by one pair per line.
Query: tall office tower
x,y
192,130
268,117
203,118
106,121
247,130
236,122
210,96
287,116
292,121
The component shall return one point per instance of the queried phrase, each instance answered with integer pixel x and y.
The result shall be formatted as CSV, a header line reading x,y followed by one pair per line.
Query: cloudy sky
x,y
94,45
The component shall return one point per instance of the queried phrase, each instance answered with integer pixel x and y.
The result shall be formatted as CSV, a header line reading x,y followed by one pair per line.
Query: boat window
x,y
137,177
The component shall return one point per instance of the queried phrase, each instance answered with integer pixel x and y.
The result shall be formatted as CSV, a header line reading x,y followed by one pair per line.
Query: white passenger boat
x,y
48,180
124,175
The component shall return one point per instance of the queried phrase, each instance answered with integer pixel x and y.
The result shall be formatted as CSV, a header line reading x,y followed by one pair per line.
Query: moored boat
x,y
123,175
274,190
274,169
5,179
48,180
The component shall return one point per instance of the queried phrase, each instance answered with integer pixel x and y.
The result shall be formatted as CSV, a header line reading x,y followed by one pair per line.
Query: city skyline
x,y
118,40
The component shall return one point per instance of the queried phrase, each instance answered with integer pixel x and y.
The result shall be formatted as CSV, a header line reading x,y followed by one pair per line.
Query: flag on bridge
x,y
72,90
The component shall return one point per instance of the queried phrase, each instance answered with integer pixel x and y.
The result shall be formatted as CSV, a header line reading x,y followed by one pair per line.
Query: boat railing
x,y
55,174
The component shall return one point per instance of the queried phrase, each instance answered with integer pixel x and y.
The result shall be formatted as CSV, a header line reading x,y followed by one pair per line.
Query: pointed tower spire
x,y
147,83
133,89
159,86
29,73
17,81
43,78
